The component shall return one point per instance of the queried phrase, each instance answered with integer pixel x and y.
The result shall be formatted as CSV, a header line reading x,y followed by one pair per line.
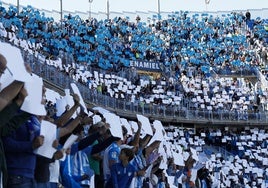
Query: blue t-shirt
x,y
121,176
110,154
114,152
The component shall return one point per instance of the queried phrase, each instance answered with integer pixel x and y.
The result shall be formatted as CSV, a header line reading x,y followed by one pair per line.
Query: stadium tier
x,y
175,102
205,68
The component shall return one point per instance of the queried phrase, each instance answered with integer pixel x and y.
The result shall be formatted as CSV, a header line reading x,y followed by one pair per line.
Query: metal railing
x,y
177,113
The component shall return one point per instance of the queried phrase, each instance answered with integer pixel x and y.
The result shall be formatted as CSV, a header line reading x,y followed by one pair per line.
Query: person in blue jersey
x,y
122,172
11,99
111,156
42,168
19,150
75,169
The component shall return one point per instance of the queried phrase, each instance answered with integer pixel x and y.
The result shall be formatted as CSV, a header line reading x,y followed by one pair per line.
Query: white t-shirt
x,y
54,169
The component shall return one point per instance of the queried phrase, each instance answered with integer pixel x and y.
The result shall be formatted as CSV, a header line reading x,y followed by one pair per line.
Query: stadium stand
x,y
200,72
209,71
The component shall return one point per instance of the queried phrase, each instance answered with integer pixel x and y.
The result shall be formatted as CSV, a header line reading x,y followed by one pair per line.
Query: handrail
x,y
178,114
182,113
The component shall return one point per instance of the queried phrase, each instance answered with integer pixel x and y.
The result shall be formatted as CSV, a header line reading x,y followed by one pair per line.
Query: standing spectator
x,y
11,98
186,180
75,169
122,172
95,160
111,156
19,149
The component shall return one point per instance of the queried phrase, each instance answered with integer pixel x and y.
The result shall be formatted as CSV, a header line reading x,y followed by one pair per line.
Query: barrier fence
x,y
183,112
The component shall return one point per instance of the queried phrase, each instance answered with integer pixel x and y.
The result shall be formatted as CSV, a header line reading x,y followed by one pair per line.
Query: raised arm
x,y
10,111
9,93
64,118
70,127
136,139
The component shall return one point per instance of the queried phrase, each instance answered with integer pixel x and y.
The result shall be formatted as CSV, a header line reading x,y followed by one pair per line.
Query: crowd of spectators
x,y
132,153
242,162
179,40
191,49
107,150
198,157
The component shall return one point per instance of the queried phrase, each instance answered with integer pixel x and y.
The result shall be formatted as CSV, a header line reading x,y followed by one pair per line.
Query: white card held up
x,y
134,126
193,175
68,143
115,125
52,95
159,132
194,154
101,110
68,98
70,101
60,106
76,91
48,130
96,119
5,80
125,123
178,159
171,181
32,103
146,125
15,62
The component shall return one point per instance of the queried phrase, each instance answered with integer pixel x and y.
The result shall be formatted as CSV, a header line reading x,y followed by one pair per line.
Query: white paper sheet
x,y
125,123
159,130
32,103
115,125
194,154
101,110
146,126
178,159
15,62
52,95
5,80
60,106
76,91
48,130
193,175
134,125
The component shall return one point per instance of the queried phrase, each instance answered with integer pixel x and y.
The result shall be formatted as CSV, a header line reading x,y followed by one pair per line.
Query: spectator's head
x,y
3,64
96,127
126,154
248,15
